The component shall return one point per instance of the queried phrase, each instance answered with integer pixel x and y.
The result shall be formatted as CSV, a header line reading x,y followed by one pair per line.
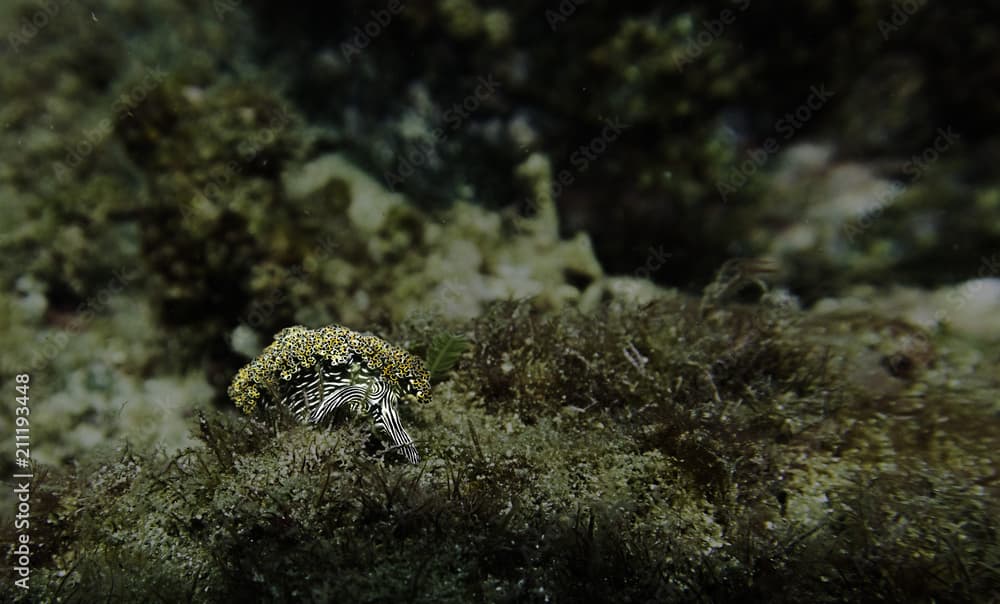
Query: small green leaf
x,y
443,352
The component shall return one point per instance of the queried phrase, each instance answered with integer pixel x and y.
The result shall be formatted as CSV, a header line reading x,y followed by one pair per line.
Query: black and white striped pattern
x,y
382,408
314,393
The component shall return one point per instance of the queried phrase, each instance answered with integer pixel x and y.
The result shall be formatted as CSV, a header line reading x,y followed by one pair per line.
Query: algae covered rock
x,y
718,451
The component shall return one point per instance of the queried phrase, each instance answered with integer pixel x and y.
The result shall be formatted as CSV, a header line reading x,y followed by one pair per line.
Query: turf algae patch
x,y
655,453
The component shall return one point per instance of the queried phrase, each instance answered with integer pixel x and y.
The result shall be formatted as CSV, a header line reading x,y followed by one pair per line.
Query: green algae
x,y
559,467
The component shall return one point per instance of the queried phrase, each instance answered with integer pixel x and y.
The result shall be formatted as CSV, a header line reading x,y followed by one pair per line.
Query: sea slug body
x,y
314,372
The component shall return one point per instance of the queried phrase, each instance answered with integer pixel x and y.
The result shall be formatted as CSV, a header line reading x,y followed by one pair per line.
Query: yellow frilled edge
x,y
297,347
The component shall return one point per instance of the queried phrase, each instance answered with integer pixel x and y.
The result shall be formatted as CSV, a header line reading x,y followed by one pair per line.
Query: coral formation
x,y
711,94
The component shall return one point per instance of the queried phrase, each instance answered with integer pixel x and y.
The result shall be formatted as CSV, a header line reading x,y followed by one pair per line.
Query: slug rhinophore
x,y
313,372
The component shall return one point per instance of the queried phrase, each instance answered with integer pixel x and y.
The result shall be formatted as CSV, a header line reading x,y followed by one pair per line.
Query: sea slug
x,y
313,372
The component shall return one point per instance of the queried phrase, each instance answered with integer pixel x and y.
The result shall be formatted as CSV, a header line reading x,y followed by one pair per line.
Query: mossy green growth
x,y
211,159
668,452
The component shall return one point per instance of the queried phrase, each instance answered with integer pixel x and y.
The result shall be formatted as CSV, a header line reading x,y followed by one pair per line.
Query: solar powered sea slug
x,y
314,372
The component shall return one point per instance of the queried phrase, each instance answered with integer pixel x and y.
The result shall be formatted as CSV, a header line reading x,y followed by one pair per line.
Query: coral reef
x,y
710,94
503,191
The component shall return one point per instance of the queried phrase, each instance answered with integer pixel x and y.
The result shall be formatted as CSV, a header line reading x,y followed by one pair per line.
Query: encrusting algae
x,y
314,372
